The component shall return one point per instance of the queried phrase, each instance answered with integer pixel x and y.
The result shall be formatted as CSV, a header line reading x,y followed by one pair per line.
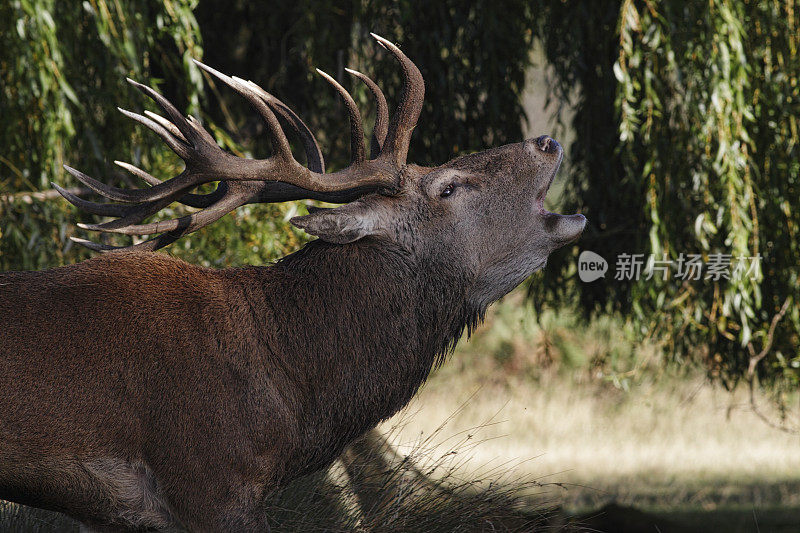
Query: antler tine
x,y
357,150
149,245
96,246
139,173
405,118
106,210
202,131
166,124
186,224
192,200
279,141
177,145
314,160
117,210
177,118
134,215
193,123
166,188
381,112
276,135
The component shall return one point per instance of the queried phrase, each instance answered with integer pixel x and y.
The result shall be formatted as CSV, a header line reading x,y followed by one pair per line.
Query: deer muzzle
x,y
547,144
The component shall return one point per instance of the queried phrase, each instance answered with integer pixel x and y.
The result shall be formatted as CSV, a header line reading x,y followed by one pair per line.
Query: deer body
x,y
258,363
141,392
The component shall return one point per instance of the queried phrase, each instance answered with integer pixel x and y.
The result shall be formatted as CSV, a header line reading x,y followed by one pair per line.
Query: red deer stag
x,y
141,392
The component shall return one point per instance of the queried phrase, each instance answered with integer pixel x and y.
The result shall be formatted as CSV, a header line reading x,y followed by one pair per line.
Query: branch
x,y
41,196
752,371
755,359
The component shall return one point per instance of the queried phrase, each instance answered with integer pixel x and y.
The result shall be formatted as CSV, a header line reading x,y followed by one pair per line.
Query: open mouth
x,y
563,228
543,193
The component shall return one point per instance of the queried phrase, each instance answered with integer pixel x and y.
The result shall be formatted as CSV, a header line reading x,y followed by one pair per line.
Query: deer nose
x,y
546,144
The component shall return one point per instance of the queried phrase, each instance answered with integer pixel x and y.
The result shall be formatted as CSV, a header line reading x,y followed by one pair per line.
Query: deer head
x,y
485,209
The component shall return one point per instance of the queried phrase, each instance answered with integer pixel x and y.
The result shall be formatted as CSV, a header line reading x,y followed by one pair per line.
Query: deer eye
x,y
447,191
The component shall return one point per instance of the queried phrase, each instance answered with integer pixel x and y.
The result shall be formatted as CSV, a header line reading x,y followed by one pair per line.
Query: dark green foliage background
x,y
685,124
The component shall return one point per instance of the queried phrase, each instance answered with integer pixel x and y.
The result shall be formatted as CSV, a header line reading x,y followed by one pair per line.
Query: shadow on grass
x,y
375,488
616,518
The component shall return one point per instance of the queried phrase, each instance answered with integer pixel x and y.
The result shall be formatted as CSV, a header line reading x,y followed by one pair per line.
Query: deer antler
x,y
275,179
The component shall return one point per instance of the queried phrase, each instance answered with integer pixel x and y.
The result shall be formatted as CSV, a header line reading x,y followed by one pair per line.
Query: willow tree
x,y
691,110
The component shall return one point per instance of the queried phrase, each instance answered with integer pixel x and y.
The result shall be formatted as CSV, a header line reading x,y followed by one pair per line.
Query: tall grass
x,y
421,486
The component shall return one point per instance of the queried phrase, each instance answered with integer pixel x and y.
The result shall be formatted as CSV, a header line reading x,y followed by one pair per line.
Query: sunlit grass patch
x,y
603,415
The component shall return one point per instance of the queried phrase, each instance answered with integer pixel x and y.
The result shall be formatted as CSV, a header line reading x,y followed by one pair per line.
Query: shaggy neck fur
x,y
374,323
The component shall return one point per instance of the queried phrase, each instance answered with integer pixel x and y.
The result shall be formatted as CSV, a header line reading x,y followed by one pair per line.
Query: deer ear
x,y
340,225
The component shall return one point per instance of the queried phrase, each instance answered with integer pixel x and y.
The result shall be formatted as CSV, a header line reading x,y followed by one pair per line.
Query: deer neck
x,y
374,323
